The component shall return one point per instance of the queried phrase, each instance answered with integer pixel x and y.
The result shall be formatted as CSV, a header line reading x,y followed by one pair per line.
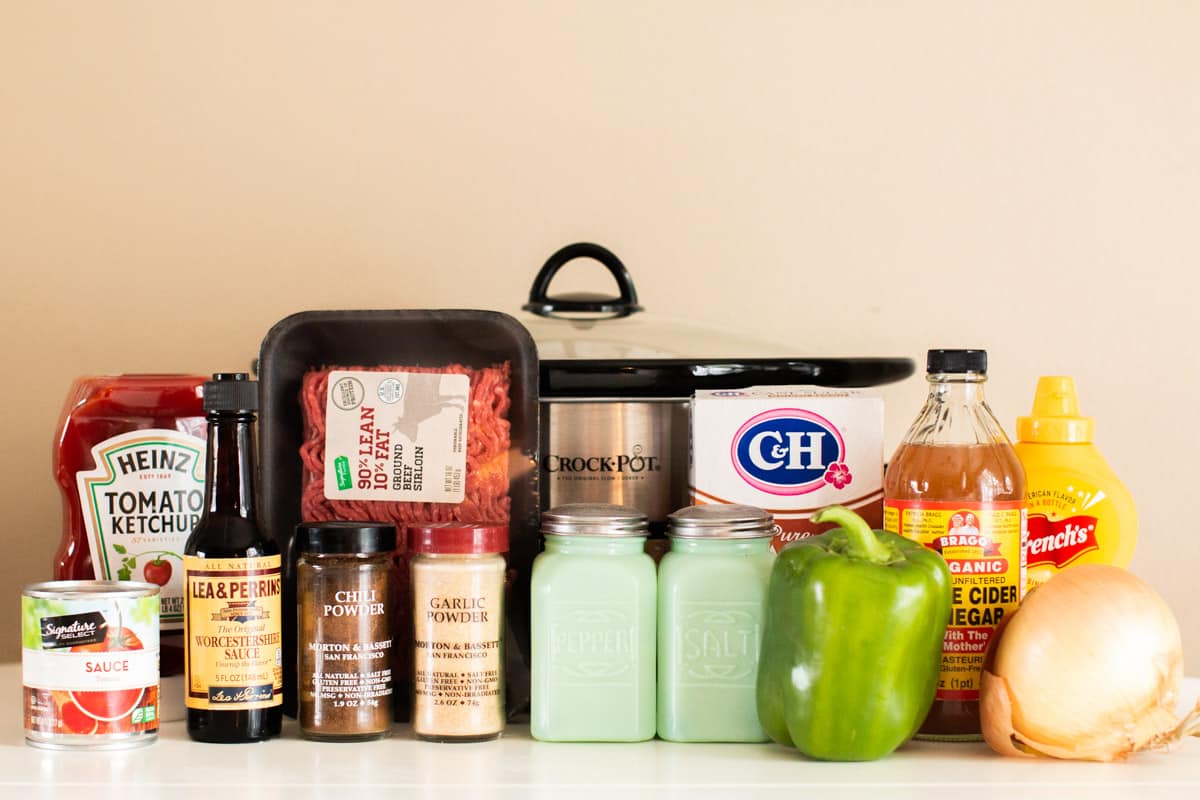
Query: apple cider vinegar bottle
x,y
955,485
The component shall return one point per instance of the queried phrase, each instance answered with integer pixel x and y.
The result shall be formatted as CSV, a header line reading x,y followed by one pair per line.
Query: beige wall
x,y
866,178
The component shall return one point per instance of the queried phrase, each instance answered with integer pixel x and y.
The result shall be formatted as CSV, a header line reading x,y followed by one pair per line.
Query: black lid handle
x,y
545,305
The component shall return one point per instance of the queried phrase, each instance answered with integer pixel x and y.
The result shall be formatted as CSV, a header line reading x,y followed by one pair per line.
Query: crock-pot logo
x,y
633,462
789,451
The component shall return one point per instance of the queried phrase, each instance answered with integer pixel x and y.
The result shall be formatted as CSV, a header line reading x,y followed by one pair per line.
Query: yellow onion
x,y
1088,667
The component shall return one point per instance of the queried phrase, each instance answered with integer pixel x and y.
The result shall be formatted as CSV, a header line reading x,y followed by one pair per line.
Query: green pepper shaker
x,y
593,627
712,591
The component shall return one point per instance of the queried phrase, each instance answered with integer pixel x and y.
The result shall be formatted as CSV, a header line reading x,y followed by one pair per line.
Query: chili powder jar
x,y
343,588
457,575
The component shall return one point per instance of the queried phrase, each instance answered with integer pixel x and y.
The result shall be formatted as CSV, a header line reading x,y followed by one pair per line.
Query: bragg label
x,y
233,620
90,663
982,545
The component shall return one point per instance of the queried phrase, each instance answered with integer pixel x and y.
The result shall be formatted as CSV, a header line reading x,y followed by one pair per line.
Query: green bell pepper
x,y
852,640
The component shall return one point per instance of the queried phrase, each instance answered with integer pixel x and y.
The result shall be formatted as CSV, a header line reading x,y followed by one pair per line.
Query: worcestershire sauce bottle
x,y
232,585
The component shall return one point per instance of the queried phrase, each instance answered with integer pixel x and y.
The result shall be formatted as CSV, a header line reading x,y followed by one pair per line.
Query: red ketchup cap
x,y
458,538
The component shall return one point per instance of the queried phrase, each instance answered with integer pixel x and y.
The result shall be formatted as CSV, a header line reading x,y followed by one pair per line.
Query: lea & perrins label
x,y
982,545
233,626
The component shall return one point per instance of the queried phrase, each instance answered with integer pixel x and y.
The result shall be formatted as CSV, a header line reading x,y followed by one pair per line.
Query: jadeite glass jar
x,y
712,591
593,623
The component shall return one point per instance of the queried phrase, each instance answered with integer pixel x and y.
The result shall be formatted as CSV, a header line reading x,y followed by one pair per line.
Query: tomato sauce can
x,y
90,664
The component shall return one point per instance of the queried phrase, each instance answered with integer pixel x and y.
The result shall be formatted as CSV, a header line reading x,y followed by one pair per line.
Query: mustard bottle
x,y
1079,511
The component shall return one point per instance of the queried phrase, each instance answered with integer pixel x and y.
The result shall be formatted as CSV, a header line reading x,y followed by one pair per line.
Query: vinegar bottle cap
x,y
1055,418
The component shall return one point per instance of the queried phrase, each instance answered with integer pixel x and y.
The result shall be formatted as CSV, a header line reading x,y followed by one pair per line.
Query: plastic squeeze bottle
x,y
1079,511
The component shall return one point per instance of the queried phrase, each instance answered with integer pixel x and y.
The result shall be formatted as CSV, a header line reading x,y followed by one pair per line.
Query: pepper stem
x,y
862,541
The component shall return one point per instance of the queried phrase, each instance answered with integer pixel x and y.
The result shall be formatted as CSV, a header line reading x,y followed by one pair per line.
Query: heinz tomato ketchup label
x,y
140,504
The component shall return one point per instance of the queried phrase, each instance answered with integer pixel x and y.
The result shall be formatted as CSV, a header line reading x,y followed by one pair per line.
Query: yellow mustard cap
x,y
1055,416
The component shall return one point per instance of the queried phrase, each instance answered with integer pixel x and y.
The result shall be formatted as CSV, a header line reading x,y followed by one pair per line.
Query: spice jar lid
x,y
345,537
720,521
594,519
458,538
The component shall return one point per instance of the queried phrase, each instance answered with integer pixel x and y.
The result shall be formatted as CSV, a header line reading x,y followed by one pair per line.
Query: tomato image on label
x,y
74,718
157,571
112,705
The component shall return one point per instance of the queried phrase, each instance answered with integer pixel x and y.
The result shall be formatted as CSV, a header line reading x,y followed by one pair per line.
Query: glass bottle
x,y
343,588
232,584
955,484
712,592
457,574
593,627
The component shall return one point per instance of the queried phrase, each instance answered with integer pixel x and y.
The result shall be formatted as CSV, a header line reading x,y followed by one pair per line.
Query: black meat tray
x,y
317,339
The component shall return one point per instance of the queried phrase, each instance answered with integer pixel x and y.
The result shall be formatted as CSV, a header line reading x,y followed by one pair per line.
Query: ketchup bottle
x,y
955,484
129,458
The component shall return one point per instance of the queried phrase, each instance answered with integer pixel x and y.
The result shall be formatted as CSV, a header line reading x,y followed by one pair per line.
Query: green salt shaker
x,y
712,590
593,627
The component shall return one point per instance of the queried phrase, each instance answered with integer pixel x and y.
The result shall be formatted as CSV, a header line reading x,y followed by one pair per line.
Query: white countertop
x,y
516,766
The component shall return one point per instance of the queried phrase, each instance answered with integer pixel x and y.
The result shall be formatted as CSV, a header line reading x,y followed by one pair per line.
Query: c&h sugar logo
x,y
790,451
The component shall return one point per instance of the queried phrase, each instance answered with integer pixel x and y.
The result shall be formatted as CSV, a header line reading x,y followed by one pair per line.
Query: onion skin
x,y
1089,667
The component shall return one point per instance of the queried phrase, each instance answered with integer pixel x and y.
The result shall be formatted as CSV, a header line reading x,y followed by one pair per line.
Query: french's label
x,y
396,436
1059,542
983,547
1065,529
140,503
233,629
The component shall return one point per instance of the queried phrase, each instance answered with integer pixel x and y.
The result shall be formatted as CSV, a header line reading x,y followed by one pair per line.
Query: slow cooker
x,y
616,381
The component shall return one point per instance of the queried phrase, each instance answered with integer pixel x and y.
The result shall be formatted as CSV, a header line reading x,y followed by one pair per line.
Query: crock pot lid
x,y
720,521
594,341
600,324
594,519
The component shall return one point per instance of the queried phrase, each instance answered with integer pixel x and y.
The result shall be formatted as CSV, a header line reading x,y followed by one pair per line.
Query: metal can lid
x,y
66,590
345,537
720,521
594,519
458,538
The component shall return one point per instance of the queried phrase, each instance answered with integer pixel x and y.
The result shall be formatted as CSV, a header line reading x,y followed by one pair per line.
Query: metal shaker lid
x,y
594,519
720,521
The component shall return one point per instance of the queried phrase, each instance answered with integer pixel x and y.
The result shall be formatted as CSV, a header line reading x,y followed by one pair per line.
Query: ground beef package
x,y
403,417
